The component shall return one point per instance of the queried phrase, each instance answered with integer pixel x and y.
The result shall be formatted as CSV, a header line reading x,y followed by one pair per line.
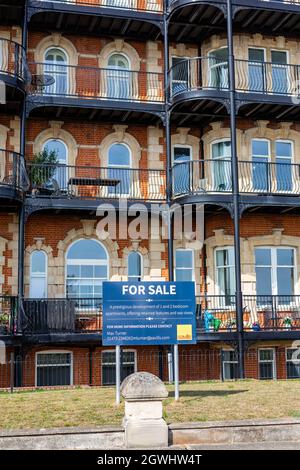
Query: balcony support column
x,y
21,235
235,192
168,147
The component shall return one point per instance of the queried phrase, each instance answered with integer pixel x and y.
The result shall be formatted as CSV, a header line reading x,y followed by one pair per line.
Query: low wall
x,y
233,432
108,437
112,437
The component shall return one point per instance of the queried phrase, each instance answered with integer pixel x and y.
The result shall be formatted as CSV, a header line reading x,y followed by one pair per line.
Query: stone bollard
x,y
143,422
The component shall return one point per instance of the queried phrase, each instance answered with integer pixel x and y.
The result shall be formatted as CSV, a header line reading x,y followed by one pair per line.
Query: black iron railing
x,y
88,182
12,170
214,313
53,79
151,6
45,316
210,73
8,315
257,176
267,77
271,312
12,59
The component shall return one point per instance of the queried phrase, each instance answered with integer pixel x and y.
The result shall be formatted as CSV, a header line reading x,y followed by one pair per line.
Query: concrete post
x,y
143,422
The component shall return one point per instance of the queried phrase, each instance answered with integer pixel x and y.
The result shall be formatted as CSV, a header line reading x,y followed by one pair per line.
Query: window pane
x,y
86,271
285,257
101,271
134,264
221,149
285,281
279,57
184,275
182,154
283,149
87,249
109,367
263,281
73,271
230,371
260,147
59,148
119,155
266,370
263,257
256,54
266,354
184,259
38,262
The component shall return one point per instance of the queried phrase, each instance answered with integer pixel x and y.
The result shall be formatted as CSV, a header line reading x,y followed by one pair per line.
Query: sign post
x,y
118,375
176,371
148,313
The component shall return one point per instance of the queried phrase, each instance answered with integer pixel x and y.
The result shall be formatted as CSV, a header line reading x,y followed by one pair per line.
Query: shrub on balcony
x,y
4,322
43,167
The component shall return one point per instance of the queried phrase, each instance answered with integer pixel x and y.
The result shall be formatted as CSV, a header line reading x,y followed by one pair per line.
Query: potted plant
x,y
42,168
4,323
256,326
230,324
287,323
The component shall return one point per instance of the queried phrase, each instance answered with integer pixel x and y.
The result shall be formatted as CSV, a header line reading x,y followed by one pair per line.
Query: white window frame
x,y
142,265
184,146
210,68
289,360
186,269
221,248
86,262
66,64
227,362
114,363
274,368
32,275
274,266
121,167
54,351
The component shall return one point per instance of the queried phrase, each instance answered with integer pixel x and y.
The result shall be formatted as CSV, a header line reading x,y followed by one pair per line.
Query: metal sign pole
x,y
118,375
176,371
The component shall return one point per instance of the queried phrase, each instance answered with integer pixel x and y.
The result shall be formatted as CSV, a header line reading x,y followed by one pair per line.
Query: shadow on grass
x,y
207,393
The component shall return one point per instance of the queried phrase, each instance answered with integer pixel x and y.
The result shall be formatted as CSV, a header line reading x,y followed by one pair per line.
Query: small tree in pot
x,y
43,167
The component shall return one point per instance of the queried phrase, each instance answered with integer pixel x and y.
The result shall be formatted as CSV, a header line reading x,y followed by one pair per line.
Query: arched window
x,y
218,68
38,275
58,173
134,266
56,62
87,268
119,163
118,77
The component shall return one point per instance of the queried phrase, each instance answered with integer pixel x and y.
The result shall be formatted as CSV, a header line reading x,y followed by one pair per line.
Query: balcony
x,y
211,179
215,314
13,177
72,184
264,89
12,65
91,88
8,315
151,6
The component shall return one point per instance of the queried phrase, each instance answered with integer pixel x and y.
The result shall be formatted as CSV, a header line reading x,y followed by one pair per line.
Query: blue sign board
x,y
148,313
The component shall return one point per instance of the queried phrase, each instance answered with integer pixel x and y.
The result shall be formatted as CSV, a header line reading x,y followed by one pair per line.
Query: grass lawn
x,y
203,401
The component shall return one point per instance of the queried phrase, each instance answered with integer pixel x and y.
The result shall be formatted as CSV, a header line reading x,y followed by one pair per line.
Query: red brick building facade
x,y
106,101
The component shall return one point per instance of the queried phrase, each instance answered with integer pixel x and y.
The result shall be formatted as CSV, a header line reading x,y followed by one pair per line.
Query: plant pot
x,y
256,328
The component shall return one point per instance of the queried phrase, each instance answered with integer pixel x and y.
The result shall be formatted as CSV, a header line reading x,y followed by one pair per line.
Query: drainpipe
x,y
235,192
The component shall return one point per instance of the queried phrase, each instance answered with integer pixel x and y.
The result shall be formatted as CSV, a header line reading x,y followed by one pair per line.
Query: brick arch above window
x,y
53,41
120,136
55,132
119,46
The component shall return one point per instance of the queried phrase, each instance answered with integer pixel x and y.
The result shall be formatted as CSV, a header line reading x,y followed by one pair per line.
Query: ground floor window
x,y
266,361
229,365
128,366
293,363
53,368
